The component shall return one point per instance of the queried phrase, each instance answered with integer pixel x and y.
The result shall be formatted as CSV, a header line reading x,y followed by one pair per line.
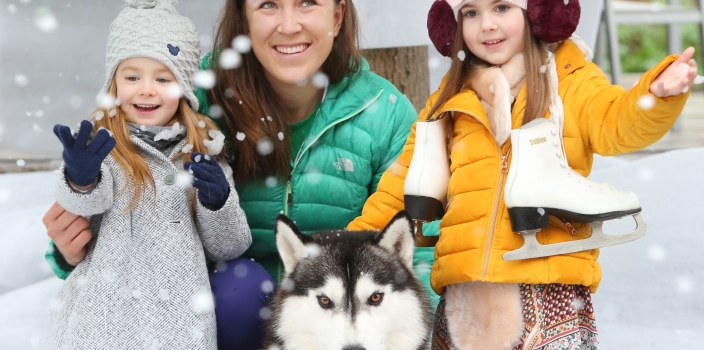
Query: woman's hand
x,y
69,232
677,78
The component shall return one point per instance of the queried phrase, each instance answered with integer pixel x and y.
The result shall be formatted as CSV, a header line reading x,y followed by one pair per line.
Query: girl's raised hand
x,y
677,78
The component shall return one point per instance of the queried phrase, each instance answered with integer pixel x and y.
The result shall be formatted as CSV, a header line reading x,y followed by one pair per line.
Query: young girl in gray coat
x,y
157,192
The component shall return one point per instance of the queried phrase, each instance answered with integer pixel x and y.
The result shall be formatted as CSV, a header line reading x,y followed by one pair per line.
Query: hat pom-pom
x,y
149,4
442,27
553,20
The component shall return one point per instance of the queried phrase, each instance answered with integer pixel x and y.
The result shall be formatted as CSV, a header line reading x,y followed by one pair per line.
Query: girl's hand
x,y
82,159
209,179
69,232
677,78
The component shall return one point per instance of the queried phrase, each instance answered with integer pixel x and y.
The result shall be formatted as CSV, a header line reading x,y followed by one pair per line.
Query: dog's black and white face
x,y
348,290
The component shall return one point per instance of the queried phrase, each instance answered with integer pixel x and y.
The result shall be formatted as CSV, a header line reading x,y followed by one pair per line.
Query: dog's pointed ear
x,y
289,242
397,237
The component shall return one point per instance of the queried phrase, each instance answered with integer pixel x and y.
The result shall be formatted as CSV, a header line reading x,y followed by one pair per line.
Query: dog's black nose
x,y
353,347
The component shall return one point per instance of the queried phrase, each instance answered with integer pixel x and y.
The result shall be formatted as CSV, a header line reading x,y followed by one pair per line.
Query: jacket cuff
x,y
663,106
58,262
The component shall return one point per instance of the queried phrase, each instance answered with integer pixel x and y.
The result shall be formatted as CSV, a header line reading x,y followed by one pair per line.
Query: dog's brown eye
x,y
376,298
325,302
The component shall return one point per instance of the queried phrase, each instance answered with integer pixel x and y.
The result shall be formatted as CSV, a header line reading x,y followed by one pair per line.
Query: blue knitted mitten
x,y
82,159
209,179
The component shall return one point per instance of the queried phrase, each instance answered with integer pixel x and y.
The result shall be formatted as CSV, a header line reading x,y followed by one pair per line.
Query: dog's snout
x,y
353,347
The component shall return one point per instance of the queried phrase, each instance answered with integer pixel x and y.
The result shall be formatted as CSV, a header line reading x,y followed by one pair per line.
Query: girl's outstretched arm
x,y
223,229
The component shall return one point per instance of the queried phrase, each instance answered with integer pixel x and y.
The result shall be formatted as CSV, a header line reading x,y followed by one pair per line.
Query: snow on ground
x,y
649,296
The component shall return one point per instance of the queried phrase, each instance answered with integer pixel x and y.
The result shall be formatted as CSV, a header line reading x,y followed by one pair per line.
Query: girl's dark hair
x,y
245,95
461,72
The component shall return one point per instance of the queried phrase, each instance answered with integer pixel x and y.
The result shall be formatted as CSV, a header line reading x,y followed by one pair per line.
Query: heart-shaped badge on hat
x,y
173,49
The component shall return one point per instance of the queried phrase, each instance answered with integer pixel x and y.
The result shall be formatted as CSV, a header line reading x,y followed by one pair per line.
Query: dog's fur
x,y
348,268
484,315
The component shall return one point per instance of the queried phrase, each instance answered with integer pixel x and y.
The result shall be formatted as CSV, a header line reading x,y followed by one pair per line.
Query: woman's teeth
x,y
291,49
146,106
493,42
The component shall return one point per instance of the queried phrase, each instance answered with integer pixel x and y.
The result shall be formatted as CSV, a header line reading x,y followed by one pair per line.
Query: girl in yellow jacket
x,y
490,303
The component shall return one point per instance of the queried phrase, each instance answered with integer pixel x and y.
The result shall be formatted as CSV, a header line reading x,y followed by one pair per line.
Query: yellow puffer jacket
x,y
476,231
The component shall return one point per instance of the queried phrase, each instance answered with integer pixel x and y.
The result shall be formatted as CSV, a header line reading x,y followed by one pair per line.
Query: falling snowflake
x,y
187,148
281,136
46,99
21,80
39,114
12,9
319,80
699,80
105,100
491,88
113,112
240,270
684,284
543,68
267,286
169,134
271,181
202,301
184,179
229,93
330,33
461,55
230,59
646,102
201,124
242,44
44,19
20,163
36,128
205,79
137,294
656,253
240,136
215,111
265,146
393,99
269,118
175,90
215,145
265,313
312,250
99,115
578,304
287,284
434,62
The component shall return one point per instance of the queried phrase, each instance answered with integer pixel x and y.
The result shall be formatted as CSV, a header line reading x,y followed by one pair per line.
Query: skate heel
x,y
423,208
527,218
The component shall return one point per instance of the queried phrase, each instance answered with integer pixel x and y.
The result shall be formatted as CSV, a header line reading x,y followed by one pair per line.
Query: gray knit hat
x,y
153,29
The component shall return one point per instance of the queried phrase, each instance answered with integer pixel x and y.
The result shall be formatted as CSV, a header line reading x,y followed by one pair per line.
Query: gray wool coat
x,y
144,282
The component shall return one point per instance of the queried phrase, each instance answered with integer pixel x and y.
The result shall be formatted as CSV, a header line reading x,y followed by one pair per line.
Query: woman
x,y
314,152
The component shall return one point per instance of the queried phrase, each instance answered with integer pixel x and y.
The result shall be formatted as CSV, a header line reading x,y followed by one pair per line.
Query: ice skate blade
x,y
532,249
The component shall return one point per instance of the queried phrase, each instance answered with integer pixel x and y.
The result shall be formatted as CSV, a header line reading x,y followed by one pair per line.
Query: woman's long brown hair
x,y
245,95
126,154
537,86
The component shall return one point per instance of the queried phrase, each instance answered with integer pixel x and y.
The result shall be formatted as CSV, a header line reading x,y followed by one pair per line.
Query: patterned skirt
x,y
556,317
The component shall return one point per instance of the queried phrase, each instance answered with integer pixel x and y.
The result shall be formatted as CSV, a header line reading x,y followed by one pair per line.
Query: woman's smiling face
x,y
293,38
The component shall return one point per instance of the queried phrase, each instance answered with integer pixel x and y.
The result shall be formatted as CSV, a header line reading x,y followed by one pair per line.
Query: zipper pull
x,y
289,198
573,231
504,164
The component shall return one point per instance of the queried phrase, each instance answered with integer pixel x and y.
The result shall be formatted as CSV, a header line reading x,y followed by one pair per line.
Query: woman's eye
x,y
163,80
308,3
268,5
502,8
131,78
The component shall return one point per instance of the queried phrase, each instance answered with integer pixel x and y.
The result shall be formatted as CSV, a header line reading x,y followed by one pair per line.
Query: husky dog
x,y
349,290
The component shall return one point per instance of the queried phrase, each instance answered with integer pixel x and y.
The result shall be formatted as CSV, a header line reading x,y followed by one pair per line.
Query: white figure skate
x,y
541,183
425,187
